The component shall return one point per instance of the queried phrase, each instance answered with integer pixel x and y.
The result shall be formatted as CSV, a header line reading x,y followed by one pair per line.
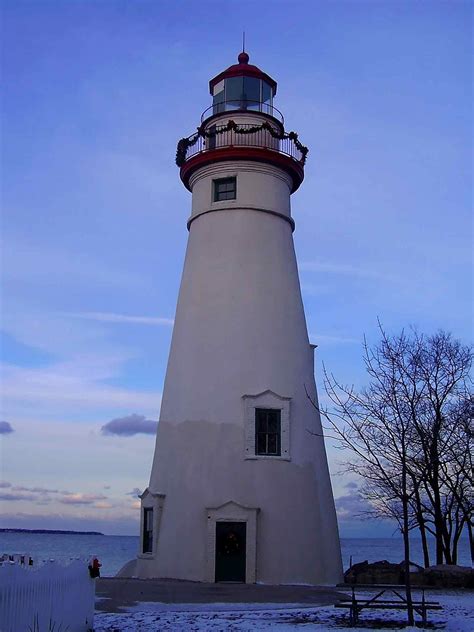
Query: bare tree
x,y
443,369
402,432
375,426
457,471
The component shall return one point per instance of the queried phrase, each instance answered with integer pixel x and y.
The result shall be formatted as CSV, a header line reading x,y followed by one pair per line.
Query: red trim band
x,y
269,156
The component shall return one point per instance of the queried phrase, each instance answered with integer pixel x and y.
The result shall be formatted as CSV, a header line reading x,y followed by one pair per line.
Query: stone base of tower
x,y
283,519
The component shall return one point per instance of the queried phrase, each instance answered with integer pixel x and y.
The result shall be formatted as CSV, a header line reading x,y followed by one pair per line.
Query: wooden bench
x,y
357,604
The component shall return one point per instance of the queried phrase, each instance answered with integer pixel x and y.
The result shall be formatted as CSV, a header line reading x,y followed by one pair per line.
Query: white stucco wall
x,y
259,186
239,331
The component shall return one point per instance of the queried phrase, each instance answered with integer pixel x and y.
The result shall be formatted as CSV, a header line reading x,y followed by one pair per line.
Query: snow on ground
x,y
457,616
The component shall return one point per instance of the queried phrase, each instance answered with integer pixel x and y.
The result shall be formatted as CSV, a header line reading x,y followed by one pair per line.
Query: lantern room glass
x,y
242,93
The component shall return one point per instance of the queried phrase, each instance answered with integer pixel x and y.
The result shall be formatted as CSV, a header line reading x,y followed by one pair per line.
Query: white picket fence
x,y
47,598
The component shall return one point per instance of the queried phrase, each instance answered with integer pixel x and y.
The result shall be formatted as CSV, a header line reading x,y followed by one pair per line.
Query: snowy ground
x,y
457,616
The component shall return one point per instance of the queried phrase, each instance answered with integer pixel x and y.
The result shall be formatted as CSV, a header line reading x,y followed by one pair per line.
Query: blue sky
x,y
97,95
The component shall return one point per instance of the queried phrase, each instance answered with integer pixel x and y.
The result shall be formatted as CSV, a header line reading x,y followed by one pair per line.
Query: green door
x,y
230,551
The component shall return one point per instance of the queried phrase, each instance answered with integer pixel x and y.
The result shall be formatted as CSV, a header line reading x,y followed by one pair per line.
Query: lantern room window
x,y
234,91
266,98
218,102
251,92
242,93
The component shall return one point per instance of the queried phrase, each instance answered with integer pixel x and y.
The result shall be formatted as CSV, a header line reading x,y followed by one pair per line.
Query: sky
x,y
93,232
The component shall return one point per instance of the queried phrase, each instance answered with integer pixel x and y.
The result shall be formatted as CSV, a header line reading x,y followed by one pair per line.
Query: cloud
x,y
352,506
45,496
82,499
330,340
315,289
43,500
79,382
135,492
37,263
5,427
16,497
37,490
345,269
129,426
103,505
351,485
59,336
78,373
107,317
41,495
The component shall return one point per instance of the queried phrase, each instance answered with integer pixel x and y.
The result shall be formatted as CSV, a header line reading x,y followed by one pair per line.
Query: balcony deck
x,y
234,141
241,136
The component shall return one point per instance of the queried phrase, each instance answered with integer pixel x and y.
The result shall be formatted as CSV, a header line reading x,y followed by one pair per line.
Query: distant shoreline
x,y
51,531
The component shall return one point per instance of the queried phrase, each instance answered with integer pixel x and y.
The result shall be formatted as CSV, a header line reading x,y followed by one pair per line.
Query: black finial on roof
x,y
243,58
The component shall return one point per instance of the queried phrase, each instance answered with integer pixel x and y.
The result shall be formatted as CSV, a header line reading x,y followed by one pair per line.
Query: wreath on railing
x,y
185,143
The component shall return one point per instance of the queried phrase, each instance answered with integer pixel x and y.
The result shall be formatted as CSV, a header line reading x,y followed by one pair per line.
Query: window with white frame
x,y
267,426
152,508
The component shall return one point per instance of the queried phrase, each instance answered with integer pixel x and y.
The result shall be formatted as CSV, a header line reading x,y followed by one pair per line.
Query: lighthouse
x,y
240,488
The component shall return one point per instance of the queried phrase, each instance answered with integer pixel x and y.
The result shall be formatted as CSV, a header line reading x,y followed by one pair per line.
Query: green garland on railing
x,y
185,143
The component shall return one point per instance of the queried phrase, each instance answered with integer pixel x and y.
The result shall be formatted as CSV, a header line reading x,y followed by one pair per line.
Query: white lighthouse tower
x,y
240,488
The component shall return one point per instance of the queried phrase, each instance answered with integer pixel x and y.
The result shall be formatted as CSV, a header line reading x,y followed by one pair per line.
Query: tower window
x,y
268,431
147,530
225,189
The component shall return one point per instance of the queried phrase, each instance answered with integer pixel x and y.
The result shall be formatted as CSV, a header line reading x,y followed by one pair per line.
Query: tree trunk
x,y
437,510
421,526
406,546
470,531
424,544
457,534
447,544
438,525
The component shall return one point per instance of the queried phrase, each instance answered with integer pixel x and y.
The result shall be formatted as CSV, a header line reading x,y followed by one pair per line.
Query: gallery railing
x,y
263,136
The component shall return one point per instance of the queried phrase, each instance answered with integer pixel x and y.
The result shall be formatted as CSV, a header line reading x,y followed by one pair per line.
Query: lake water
x,y
115,550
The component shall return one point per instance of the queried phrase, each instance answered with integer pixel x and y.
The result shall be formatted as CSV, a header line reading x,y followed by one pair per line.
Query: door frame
x,y
232,512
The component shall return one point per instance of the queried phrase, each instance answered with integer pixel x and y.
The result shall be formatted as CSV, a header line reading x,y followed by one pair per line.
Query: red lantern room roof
x,y
243,69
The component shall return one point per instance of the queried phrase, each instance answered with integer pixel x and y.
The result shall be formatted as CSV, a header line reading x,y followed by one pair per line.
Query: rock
x,y
449,576
383,572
